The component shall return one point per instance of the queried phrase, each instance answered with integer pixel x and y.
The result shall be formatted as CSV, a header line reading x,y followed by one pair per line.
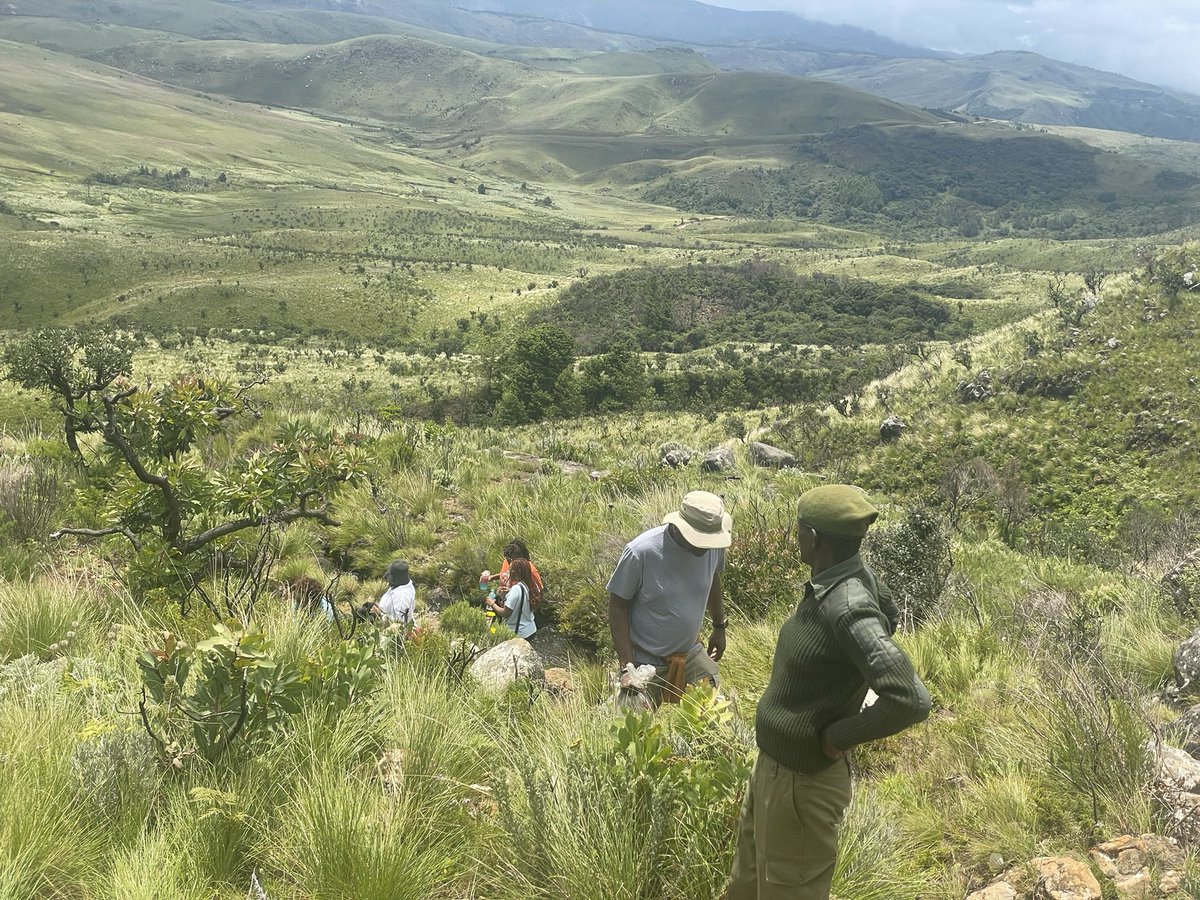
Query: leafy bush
x,y
763,566
914,559
471,623
637,816
583,615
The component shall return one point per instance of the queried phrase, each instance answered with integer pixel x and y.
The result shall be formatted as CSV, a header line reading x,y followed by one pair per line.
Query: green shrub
x,y
583,615
763,566
914,559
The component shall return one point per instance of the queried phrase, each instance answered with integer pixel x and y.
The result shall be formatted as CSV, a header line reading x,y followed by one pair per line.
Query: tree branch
x,y
114,437
146,721
99,532
219,531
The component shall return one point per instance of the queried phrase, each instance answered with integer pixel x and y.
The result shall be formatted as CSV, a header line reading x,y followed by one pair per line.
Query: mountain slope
x,y
436,91
1026,87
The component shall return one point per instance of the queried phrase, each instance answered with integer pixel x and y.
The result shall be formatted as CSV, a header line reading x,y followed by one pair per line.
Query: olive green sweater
x,y
836,645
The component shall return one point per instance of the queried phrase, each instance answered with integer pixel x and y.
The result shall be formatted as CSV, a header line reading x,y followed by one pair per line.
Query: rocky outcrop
x,y
506,663
1187,663
1141,866
674,455
770,457
718,459
1044,878
977,389
891,428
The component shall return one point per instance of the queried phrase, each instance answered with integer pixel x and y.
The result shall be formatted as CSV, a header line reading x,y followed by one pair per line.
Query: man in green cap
x,y
836,645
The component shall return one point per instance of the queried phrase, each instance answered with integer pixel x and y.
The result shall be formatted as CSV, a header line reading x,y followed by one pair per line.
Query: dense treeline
x,y
695,306
922,182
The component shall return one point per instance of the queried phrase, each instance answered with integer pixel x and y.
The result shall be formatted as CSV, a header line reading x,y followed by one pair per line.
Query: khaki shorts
x,y
788,832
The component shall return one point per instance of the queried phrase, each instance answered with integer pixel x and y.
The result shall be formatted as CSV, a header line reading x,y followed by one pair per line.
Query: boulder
x,y
526,461
891,428
506,663
979,388
1178,771
770,457
1064,878
1177,784
674,455
1187,663
718,459
1185,731
567,467
1000,890
438,598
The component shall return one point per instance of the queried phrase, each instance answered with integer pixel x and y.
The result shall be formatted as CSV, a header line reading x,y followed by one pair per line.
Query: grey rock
x,y
770,457
675,455
1178,771
1187,662
1185,731
567,467
891,428
507,663
718,459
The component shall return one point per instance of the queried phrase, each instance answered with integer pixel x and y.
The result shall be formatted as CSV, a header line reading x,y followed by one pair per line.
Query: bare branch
x,y
219,531
98,533
146,720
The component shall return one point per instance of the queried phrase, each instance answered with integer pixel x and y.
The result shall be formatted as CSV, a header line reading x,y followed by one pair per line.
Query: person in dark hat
x,y
664,581
399,601
836,645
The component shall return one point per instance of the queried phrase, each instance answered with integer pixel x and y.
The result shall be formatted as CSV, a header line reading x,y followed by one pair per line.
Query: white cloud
x,y
1151,40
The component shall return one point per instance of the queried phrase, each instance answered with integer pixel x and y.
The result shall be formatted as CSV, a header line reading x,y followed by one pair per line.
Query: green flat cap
x,y
840,510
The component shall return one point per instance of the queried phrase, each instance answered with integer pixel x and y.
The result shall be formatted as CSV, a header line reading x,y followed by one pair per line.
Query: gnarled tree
x,y
153,486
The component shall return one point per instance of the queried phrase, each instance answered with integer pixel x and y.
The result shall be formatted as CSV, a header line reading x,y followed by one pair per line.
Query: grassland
x,y
339,257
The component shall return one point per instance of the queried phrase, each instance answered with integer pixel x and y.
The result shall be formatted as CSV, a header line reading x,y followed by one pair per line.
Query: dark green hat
x,y
839,510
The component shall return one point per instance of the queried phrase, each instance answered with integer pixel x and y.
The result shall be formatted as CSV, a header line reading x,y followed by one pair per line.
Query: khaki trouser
x,y
788,832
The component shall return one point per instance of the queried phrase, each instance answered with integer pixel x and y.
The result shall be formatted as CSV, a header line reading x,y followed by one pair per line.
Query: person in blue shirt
x,y
517,606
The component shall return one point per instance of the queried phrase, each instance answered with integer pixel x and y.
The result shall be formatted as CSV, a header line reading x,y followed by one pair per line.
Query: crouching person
x,y
836,645
664,582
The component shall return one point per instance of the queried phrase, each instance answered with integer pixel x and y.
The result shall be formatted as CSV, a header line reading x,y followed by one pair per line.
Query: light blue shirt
x,y
667,587
521,618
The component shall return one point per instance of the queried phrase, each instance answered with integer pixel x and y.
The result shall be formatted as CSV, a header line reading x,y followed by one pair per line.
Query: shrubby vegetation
x,y
699,305
935,183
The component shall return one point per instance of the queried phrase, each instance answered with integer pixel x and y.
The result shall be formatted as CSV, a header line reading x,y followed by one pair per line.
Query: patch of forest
x,y
695,306
930,183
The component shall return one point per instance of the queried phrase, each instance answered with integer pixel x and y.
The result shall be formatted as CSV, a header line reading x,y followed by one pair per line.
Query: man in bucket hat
x,y
664,581
835,645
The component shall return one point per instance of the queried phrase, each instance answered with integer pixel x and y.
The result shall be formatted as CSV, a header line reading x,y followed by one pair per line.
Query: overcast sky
x,y
1150,40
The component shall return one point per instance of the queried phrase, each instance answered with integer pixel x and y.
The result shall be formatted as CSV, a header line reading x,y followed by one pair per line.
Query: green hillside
x,y
434,91
1026,87
366,295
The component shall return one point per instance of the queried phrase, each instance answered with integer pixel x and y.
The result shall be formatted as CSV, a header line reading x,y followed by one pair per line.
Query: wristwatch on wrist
x,y
720,626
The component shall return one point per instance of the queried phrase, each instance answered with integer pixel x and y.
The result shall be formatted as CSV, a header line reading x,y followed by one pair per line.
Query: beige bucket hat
x,y
703,521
